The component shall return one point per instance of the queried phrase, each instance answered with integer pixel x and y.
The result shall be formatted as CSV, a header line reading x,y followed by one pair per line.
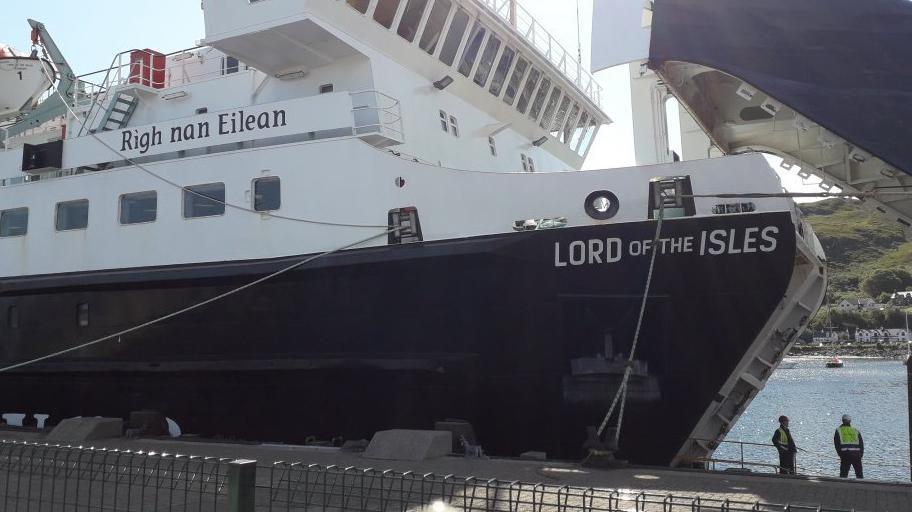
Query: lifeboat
x,y
835,362
22,79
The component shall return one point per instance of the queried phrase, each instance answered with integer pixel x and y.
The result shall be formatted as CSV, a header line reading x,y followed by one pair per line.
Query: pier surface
x,y
830,494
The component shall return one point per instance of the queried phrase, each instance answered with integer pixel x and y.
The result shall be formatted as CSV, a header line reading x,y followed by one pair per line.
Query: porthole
x,y
602,205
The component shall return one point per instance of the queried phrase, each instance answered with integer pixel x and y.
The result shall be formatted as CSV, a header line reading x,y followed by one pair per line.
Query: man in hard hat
x,y
850,447
783,441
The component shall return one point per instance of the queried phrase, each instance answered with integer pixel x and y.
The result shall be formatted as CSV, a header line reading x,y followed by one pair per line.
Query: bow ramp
x,y
824,84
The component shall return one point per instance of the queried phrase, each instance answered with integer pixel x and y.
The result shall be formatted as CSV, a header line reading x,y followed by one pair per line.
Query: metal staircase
x,y
119,111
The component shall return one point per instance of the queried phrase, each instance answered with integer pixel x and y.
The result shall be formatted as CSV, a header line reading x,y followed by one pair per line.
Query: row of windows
x,y
449,123
489,63
206,200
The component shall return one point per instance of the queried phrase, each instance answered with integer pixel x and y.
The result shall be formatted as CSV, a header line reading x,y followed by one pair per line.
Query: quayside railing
x,y
46,477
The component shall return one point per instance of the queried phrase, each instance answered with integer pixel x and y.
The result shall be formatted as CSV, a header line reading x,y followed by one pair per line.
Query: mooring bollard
x,y
242,485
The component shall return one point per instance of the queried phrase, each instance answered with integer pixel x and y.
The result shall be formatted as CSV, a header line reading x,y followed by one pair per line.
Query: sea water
x,y
872,391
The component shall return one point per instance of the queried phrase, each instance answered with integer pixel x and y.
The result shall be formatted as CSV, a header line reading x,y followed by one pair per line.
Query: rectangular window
x,y
570,125
492,145
529,89
359,5
548,116
230,65
588,137
14,222
444,121
206,200
411,18
385,12
540,99
72,215
578,129
454,126
472,48
487,60
267,194
525,161
326,88
557,125
531,165
500,74
82,314
12,317
139,207
454,37
519,72
434,26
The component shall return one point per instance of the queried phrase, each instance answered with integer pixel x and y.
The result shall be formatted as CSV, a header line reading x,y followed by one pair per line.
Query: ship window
x,y
548,116
500,74
558,124
408,27
267,194
454,126
492,145
359,5
385,12
471,50
540,99
230,65
567,133
434,26
206,200
14,222
531,164
522,65
578,129
444,121
326,88
72,215
526,95
589,137
454,37
487,61
82,314
12,317
525,161
138,207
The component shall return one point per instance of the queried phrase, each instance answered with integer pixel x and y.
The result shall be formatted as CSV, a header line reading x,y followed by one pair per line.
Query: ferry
x,y
341,216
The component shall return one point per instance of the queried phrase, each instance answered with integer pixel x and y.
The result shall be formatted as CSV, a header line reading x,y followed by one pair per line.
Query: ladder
x,y
119,111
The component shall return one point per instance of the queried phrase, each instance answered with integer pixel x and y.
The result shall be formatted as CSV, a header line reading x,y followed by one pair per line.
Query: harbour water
x,y
872,391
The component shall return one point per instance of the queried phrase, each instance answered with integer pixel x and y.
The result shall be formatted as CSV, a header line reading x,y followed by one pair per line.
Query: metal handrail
x,y
517,16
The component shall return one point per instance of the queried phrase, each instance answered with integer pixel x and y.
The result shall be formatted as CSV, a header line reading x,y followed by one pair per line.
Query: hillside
x,y
857,244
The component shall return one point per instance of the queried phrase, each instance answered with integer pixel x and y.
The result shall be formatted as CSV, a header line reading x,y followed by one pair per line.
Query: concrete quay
x,y
274,481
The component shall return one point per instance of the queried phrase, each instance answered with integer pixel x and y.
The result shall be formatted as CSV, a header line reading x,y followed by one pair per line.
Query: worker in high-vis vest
x,y
785,444
850,447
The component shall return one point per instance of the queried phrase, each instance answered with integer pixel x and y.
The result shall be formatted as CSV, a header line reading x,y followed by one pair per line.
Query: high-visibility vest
x,y
783,437
849,438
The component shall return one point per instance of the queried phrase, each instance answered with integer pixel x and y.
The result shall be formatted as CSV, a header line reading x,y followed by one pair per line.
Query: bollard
x,y
242,485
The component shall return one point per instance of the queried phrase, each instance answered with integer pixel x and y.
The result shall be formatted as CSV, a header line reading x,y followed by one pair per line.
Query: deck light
x,y
443,83
540,142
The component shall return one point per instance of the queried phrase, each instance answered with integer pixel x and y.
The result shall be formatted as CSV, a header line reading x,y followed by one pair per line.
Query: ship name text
x,y
228,123
715,242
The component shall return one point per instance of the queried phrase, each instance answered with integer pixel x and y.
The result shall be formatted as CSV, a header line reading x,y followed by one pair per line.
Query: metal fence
x,y
42,477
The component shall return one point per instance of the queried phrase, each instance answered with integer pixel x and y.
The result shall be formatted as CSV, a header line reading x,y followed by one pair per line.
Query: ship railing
x,y
376,112
54,477
515,15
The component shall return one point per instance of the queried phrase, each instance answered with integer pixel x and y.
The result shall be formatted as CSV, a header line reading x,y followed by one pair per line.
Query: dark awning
x,y
844,64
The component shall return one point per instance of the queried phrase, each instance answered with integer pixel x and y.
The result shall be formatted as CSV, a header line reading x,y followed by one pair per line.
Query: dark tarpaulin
x,y
844,64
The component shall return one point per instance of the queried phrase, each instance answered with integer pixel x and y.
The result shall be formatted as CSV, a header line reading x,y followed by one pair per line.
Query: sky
x,y
90,34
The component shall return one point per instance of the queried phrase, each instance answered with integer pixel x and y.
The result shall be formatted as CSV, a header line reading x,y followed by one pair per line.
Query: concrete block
x,y
85,429
414,445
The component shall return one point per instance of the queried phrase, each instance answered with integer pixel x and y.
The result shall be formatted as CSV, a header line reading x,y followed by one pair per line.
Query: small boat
x,y
835,363
22,79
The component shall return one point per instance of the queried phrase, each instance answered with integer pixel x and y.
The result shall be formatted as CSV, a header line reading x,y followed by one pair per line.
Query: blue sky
x,y
91,33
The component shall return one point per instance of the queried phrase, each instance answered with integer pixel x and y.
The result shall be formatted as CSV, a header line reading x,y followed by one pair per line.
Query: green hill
x,y
857,243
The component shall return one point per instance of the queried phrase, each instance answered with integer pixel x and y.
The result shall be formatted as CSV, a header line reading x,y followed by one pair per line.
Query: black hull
x,y
482,329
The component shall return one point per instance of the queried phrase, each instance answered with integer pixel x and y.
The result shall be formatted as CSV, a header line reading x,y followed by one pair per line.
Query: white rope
x,y
197,305
188,190
621,394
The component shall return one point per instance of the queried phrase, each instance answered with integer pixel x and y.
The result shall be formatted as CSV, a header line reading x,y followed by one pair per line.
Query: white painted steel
x,y
618,33
21,82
